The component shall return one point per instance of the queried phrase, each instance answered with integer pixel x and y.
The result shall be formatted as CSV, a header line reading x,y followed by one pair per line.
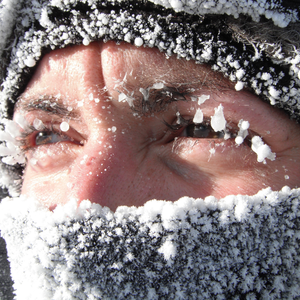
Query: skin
x,y
114,154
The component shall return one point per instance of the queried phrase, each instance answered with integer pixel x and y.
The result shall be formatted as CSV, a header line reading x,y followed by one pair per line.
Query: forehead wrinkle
x,y
48,103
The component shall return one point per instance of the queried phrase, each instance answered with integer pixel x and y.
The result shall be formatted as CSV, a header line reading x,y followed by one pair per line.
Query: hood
x,y
236,247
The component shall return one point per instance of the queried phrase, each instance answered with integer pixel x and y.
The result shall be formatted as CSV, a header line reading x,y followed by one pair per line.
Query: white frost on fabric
x,y
270,9
60,254
262,150
8,11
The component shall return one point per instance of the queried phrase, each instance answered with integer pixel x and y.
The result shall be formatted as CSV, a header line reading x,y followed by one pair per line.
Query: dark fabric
x,y
6,290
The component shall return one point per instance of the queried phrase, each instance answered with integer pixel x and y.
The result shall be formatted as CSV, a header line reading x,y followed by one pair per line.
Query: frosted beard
x,y
239,246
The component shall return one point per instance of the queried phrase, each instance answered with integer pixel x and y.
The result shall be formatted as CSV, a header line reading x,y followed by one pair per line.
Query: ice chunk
x,y
30,61
38,124
138,42
64,126
262,150
21,121
218,122
239,86
198,117
203,98
243,132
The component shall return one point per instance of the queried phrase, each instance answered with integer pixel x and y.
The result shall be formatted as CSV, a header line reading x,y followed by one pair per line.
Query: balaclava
x,y
239,247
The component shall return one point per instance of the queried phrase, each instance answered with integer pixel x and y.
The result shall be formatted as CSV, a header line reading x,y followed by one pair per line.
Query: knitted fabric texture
x,y
237,247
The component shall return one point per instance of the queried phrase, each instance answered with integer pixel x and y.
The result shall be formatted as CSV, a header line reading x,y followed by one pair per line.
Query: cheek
x,y
50,189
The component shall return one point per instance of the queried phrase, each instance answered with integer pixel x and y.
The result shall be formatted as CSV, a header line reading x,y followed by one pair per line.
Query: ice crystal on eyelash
x,y
64,126
262,150
10,148
243,131
218,122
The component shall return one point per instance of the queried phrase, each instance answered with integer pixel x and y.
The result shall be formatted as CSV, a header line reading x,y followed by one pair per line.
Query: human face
x,y
103,139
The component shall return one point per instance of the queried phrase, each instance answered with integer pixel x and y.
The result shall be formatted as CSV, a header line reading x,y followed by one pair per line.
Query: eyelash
x,y
183,123
30,134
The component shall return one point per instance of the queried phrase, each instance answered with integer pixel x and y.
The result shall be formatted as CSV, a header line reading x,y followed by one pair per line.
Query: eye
x,y
201,131
49,137
51,134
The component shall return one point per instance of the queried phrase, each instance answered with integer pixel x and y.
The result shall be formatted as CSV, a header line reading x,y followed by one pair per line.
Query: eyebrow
x,y
52,105
159,99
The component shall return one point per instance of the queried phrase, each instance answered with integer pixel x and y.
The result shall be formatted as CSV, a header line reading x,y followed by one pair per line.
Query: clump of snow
x,y
218,122
64,126
9,149
239,86
168,250
20,120
203,98
262,150
138,42
243,131
198,117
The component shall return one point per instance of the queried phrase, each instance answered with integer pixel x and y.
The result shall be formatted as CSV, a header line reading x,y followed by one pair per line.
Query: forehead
x,y
85,67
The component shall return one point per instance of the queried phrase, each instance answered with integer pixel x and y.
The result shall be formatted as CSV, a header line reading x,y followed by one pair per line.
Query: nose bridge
x,y
99,174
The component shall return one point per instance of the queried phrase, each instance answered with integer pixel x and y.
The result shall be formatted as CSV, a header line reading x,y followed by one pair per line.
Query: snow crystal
x,y
30,61
203,98
20,120
38,124
198,117
138,41
262,150
218,122
239,86
243,131
168,249
64,126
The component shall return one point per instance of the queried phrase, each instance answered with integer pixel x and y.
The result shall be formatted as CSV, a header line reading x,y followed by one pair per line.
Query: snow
x,y
243,131
218,122
239,86
198,117
203,98
60,254
138,42
38,124
64,126
262,150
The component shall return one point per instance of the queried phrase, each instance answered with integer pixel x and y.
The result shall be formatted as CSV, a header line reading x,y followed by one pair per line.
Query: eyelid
x,y
27,137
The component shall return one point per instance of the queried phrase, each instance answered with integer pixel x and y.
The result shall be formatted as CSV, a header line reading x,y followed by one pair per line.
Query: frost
x,y
20,120
38,124
138,42
262,150
124,98
243,131
218,122
203,98
168,249
239,86
64,126
198,117
30,61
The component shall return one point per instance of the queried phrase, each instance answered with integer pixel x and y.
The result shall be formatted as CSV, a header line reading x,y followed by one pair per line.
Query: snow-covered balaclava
x,y
238,247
